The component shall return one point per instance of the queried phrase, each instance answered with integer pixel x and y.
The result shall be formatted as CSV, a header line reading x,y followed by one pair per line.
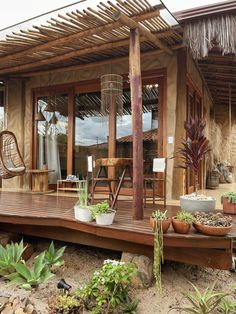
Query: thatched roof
x,y
210,33
79,38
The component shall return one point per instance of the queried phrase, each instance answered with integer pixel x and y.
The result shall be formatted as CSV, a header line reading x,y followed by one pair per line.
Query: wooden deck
x,y
52,217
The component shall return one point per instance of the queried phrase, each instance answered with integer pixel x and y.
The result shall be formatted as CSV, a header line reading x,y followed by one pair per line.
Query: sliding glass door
x,y
52,134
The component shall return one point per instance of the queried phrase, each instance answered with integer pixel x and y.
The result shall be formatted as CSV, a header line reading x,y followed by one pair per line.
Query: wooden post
x,y
112,138
136,105
178,187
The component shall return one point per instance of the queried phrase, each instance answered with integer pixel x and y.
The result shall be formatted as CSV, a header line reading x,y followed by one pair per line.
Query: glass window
x,y
91,131
150,126
52,135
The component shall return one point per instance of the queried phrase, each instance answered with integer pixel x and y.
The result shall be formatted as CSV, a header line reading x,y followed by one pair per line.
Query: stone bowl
x,y
193,205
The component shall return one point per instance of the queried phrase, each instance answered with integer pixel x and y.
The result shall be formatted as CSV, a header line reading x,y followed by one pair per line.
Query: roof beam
x,y
69,55
132,24
86,65
75,36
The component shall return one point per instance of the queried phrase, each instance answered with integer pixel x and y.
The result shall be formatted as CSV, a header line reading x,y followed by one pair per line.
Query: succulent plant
x,y
231,196
185,216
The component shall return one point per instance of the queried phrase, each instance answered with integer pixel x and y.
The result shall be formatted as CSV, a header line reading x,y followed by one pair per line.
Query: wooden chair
x,y
158,182
11,162
100,177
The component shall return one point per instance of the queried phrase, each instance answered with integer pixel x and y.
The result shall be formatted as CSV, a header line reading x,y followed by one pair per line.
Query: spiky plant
x,y
194,147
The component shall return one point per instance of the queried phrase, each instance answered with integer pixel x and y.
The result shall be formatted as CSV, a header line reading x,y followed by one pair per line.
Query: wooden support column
x,y
178,187
136,105
112,138
71,131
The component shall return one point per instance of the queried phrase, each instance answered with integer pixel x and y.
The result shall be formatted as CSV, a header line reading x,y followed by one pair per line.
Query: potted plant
x,y
192,152
212,223
229,203
82,210
160,224
103,214
182,221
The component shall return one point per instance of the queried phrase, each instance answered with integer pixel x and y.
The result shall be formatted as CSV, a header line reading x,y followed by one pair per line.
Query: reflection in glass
x,y
52,136
150,126
91,131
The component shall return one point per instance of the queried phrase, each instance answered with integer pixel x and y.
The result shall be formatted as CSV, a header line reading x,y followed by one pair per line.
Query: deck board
x,y
29,213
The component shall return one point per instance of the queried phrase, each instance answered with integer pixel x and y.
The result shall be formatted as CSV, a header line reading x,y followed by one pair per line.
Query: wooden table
x,y
39,180
124,163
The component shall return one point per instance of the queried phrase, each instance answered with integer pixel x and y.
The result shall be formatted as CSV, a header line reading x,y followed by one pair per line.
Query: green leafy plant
x,y
227,306
28,278
130,307
64,304
207,302
82,194
10,254
53,257
194,147
185,216
231,196
108,289
100,208
159,215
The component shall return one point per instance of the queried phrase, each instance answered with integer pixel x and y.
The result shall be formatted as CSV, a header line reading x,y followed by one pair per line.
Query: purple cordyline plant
x,y
194,147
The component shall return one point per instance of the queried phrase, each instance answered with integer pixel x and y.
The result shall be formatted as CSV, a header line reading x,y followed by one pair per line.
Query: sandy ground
x,y
81,262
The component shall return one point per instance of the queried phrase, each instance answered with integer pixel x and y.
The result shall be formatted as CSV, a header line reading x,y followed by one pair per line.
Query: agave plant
x,y
28,278
10,254
54,257
194,147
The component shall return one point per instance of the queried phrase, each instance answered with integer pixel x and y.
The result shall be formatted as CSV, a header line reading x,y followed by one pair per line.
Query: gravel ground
x,y
82,261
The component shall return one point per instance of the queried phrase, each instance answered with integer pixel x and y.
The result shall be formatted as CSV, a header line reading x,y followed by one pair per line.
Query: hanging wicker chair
x,y
11,163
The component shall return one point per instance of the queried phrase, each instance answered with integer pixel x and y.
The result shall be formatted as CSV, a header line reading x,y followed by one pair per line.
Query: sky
x,y
13,11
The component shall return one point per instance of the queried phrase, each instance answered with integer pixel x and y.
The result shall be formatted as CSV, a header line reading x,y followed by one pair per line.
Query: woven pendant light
x,y
111,87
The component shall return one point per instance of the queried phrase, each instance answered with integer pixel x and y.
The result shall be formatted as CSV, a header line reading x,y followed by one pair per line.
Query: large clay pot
x,y
193,205
209,230
228,208
165,224
180,226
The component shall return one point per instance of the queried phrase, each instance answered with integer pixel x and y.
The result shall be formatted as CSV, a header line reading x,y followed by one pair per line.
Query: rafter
x,y
132,24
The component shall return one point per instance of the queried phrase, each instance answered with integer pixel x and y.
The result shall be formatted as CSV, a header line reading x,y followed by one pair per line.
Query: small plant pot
x,y
83,213
180,226
106,219
164,223
228,208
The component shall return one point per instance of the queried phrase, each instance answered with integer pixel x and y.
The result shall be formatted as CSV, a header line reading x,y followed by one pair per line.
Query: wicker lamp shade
x,y
111,88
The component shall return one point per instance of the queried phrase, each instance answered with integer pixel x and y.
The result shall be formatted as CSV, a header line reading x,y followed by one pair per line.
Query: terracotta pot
x,y
228,208
180,226
165,224
209,230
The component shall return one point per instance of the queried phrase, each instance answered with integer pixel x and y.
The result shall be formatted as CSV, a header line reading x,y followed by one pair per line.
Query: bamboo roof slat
x,y
89,35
